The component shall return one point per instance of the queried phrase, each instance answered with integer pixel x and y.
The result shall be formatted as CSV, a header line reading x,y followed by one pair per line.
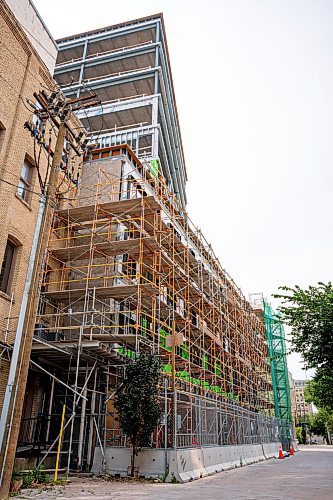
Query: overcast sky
x,y
253,82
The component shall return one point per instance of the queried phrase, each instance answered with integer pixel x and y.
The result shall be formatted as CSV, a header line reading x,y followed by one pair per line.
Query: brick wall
x,y
22,73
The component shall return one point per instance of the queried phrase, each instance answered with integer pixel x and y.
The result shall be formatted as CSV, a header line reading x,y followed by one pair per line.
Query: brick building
x,y
303,409
25,68
23,72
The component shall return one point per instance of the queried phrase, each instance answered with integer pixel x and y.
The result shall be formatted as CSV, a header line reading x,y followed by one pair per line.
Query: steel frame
x,y
171,152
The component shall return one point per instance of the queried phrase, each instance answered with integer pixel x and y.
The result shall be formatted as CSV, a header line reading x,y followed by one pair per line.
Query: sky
x,y
253,83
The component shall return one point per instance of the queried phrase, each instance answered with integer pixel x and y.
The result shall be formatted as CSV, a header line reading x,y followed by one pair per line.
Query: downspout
x,y
11,387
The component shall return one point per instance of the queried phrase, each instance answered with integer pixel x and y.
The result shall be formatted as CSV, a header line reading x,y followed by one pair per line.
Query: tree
x,y
309,313
321,423
319,390
136,402
301,435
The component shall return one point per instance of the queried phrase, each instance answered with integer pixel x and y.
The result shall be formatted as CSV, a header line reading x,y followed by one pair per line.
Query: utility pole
x,y
58,110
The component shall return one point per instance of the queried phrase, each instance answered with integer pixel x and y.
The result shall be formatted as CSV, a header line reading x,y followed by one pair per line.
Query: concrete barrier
x,y
185,464
151,463
270,450
219,458
252,453
213,459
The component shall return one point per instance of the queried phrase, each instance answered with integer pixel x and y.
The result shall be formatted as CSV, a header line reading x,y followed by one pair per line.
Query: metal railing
x,y
203,421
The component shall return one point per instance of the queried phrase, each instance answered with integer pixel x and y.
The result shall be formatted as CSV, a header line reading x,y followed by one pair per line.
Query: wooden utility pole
x,y
15,390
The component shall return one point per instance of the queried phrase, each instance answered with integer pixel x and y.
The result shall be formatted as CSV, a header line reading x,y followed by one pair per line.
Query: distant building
x,y
292,396
303,408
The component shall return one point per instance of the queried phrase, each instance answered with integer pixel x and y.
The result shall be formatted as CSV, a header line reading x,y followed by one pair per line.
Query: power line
x,y
17,93
8,172
16,185
26,68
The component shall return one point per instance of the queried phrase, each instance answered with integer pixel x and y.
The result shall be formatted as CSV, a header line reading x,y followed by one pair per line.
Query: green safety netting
x,y
278,360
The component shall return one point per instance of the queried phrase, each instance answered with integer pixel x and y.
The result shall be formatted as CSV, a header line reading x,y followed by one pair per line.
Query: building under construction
x,y
126,270
128,66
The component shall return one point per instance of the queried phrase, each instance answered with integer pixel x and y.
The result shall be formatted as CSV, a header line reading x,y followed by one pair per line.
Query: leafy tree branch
x,y
136,402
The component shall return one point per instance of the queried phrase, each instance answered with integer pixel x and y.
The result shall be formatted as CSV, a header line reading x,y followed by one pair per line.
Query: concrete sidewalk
x,y
307,476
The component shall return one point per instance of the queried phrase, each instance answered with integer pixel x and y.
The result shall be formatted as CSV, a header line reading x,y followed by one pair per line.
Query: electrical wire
x,y
87,87
31,110
48,164
42,184
8,172
53,202
30,72
37,165
16,186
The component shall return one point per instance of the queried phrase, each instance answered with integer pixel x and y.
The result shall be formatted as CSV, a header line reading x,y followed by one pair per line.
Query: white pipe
x,y
9,393
82,422
99,440
91,424
50,410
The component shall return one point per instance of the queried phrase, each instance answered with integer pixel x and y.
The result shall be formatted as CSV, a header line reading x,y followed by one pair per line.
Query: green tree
x,y
136,402
301,435
321,423
319,390
309,313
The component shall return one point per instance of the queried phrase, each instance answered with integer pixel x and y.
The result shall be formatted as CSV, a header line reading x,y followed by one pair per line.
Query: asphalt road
x,y
308,475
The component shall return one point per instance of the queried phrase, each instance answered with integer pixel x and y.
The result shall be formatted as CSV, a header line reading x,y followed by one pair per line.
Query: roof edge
x,y
112,26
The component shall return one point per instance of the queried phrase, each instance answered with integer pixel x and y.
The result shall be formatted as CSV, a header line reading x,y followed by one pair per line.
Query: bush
x,y
301,435
35,477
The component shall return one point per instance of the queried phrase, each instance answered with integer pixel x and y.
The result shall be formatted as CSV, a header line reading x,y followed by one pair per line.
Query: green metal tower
x,y
279,369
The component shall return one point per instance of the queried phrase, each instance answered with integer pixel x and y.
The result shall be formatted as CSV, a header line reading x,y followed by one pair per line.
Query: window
x,y
6,267
25,182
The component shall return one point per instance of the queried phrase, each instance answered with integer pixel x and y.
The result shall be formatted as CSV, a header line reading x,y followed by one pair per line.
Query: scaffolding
x,y
279,368
126,270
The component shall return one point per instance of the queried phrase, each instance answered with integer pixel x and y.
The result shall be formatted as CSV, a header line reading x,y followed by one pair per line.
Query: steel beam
x,y
91,61
106,35
114,80
117,107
